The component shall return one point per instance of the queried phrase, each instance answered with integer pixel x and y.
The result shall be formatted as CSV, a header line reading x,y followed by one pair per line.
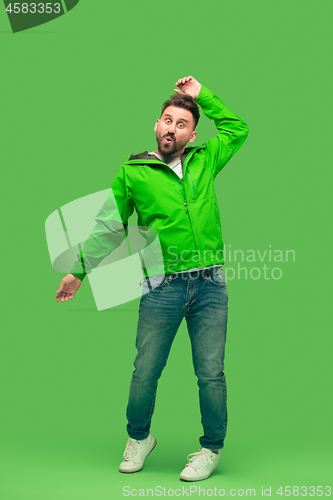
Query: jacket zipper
x,y
177,182
184,197
185,201
193,190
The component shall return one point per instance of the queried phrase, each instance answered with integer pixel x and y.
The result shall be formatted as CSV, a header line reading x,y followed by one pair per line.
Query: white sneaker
x,y
136,452
201,465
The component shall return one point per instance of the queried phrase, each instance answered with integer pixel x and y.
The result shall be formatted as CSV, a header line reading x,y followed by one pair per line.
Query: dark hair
x,y
185,101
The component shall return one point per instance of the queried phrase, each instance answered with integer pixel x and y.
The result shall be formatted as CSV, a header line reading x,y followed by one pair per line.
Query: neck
x,y
177,154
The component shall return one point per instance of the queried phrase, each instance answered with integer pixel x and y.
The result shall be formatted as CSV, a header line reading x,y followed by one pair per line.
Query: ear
x,y
157,122
193,136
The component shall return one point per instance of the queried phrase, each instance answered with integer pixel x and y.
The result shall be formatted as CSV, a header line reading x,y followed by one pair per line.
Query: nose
x,y
172,128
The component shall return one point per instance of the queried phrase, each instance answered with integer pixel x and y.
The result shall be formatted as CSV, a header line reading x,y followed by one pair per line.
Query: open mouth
x,y
168,139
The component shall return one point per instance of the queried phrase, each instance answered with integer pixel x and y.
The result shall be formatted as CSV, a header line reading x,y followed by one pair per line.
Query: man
x,y
172,190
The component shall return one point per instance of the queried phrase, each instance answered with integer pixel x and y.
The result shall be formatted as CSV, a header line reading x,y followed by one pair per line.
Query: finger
x,y
59,292
71,295
178,91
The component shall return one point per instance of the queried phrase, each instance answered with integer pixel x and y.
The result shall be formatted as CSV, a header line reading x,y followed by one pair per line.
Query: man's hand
x,y
69,285
189,85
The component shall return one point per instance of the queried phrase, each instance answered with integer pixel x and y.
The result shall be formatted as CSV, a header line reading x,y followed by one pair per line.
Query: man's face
x,y
174,130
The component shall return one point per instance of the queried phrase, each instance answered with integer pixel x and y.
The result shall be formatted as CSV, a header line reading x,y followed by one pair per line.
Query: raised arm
x,y
232,130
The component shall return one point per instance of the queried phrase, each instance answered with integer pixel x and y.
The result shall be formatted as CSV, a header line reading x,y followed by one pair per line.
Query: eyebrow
x,y
182,119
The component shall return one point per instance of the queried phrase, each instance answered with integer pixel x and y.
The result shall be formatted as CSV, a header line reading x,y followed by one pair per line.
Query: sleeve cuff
x,y
203,94
81,276
78,268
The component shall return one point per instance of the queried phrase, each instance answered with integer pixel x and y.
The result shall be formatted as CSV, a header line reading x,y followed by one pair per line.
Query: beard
x,y
168,148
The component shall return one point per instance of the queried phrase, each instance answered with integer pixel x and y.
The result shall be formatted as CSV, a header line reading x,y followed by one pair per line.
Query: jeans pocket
x,y
217,276
154,282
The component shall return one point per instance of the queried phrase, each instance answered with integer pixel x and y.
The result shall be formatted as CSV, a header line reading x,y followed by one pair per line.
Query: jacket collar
x,y
145,156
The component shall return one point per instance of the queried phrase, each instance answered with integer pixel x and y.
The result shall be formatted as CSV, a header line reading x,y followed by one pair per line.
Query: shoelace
x,y
198,459
131,451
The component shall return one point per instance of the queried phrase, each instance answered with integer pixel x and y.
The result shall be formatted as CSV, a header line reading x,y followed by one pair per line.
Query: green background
x,y
78,95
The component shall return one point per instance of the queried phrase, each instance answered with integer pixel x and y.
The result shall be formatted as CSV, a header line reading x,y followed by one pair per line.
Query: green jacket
x,y
184,213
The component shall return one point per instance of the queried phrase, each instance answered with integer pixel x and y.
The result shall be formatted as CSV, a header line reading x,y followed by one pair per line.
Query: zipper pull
x,y
185,203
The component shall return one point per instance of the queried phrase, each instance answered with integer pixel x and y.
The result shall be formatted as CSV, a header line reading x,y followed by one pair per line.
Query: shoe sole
x,y
137,470
194,478
198,478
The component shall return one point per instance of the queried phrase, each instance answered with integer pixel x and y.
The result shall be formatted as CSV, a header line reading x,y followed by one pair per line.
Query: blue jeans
x,y
201,297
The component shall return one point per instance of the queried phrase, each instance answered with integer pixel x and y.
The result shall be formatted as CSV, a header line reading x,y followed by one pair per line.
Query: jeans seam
x,y
187,293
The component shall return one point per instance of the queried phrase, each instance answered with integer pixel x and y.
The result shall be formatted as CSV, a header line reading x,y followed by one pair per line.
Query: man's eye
x,y
167,120
181,125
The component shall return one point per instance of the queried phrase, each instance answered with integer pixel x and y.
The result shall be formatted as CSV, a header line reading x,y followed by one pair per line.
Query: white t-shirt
x,y
174,163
